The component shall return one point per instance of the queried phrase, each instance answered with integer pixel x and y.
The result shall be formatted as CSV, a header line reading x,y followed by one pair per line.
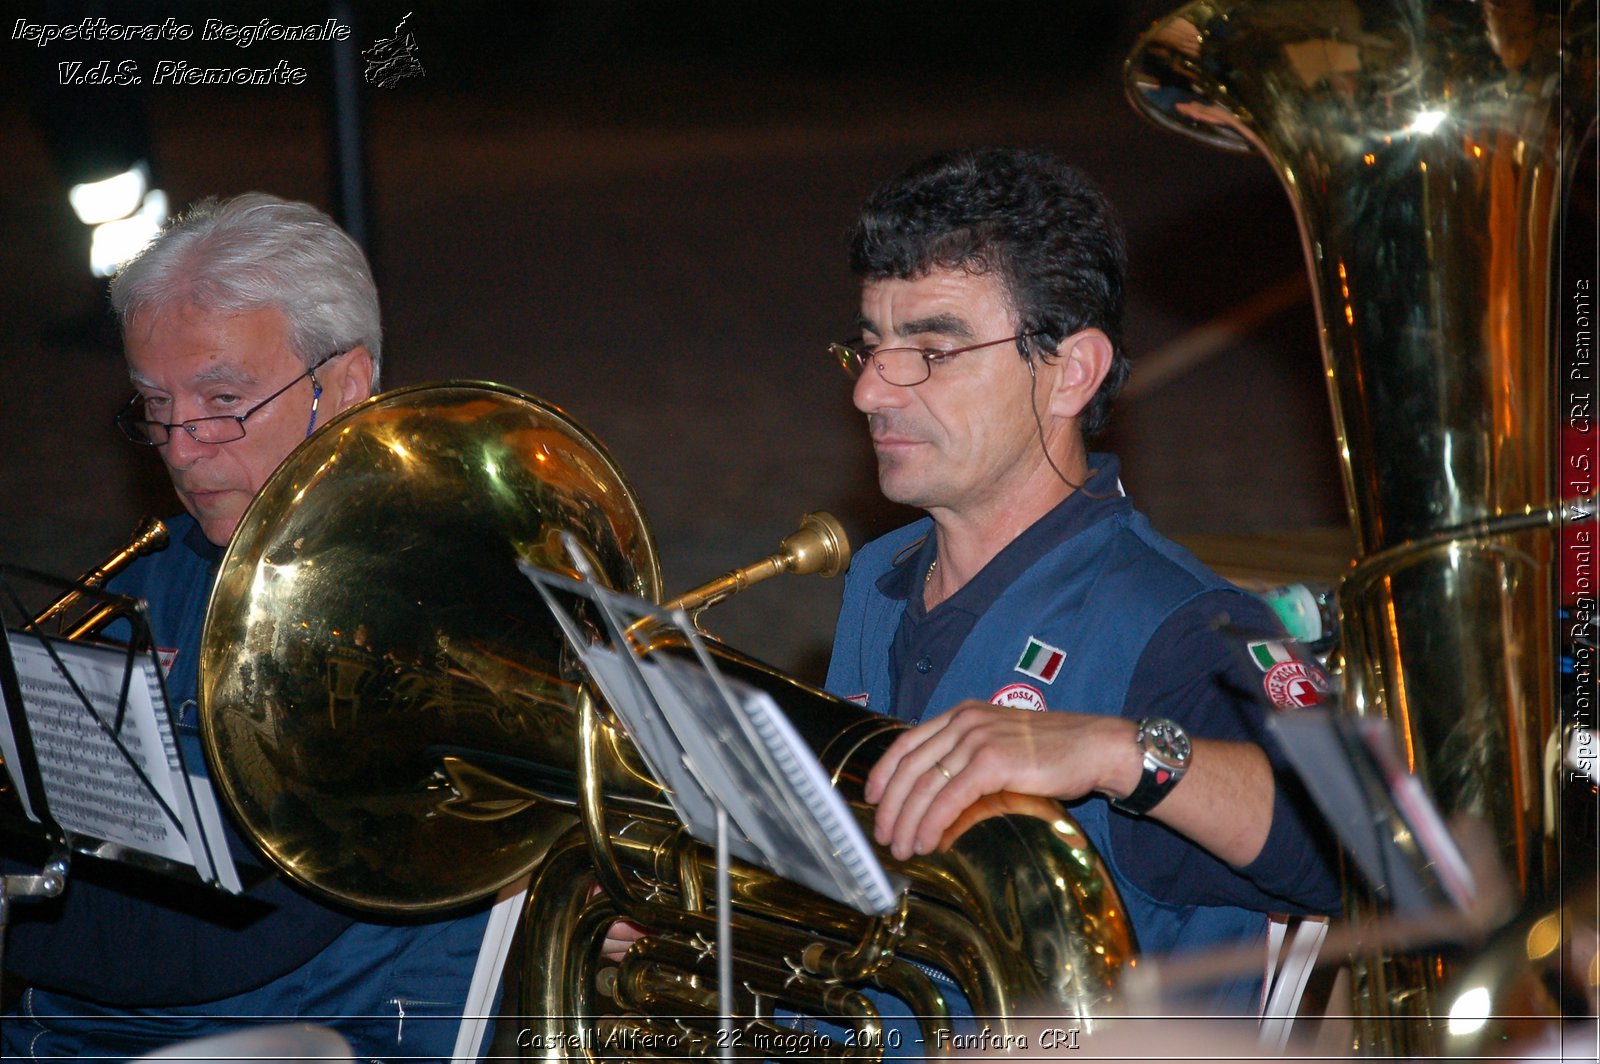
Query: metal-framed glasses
x,y
221,428
904,367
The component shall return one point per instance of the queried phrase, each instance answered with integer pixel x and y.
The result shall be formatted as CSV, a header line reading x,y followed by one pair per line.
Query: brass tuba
x,y
388,709
1425,148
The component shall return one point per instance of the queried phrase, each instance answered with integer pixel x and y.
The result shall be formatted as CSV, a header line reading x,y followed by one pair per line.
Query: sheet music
x,y
655,738
93,786
13,758
792,789
1381,813
814,791
213,862
1417,807
713,741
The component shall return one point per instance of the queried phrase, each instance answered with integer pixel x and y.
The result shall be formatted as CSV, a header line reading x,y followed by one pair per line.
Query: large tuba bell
x,y
1425,148
388,709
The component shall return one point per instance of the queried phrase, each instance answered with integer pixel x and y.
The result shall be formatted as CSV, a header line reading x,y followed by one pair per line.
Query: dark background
x,y
636,211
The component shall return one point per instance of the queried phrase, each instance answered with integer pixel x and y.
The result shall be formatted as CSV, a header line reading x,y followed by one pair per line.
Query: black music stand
x,y
91,750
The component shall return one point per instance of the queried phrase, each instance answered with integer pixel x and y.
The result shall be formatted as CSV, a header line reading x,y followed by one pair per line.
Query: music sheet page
x,y
93,787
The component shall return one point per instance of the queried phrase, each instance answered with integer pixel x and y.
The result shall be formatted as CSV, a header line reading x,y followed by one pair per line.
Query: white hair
x,y
255,252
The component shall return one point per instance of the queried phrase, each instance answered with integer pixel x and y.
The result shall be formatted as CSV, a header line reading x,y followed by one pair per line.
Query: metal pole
x,y
724,939
349,146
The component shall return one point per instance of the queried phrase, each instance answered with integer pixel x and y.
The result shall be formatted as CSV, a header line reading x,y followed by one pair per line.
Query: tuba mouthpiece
x,y
819,546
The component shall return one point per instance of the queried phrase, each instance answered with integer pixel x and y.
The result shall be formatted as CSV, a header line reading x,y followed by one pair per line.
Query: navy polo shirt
x,y
926,643
1189,673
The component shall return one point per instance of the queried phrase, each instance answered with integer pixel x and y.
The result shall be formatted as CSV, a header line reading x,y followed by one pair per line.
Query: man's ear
x,y
357,383
1081,362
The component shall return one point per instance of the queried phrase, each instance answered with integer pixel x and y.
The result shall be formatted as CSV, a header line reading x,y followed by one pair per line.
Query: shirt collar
x,y
200,546
1100,497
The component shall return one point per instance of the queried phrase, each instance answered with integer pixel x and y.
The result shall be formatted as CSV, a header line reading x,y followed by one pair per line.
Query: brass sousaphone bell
x,y
369,624
1425,148
388,708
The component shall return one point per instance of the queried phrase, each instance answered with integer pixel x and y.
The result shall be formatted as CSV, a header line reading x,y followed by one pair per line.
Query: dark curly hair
x,y
1038,224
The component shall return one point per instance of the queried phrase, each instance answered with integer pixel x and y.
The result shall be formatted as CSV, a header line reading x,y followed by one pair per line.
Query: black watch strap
x,y
1166,758
1148,794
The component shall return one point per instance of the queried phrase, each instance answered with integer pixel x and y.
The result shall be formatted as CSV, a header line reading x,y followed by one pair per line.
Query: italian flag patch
x,y
1269,652
1041,660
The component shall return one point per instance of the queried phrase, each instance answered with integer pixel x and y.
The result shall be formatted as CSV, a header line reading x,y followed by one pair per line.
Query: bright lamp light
x,y
115,242
115,197
1470,1011
1427,121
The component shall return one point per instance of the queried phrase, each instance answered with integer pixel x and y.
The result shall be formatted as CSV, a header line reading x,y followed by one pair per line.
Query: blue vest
x,y
1099,597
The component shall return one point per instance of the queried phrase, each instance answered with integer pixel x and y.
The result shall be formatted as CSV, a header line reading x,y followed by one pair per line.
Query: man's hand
x,y
620,936
933,772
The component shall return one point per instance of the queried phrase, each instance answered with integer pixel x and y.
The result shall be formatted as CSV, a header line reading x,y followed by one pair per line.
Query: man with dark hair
x,y
247,324
991,347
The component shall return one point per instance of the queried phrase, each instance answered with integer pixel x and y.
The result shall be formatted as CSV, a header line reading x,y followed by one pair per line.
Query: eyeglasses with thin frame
x,y
905,367
221,428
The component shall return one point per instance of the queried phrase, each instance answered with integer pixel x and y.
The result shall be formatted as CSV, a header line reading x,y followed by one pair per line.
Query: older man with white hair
x,y
247,324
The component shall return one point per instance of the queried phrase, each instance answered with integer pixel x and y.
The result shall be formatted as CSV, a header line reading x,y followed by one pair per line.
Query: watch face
x,y
1167,741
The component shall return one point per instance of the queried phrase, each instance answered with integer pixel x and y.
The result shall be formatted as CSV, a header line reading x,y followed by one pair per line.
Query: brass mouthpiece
x,y
818,546
150,537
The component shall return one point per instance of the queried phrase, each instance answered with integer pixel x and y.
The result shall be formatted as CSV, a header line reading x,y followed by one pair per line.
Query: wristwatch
x,y
1166,758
